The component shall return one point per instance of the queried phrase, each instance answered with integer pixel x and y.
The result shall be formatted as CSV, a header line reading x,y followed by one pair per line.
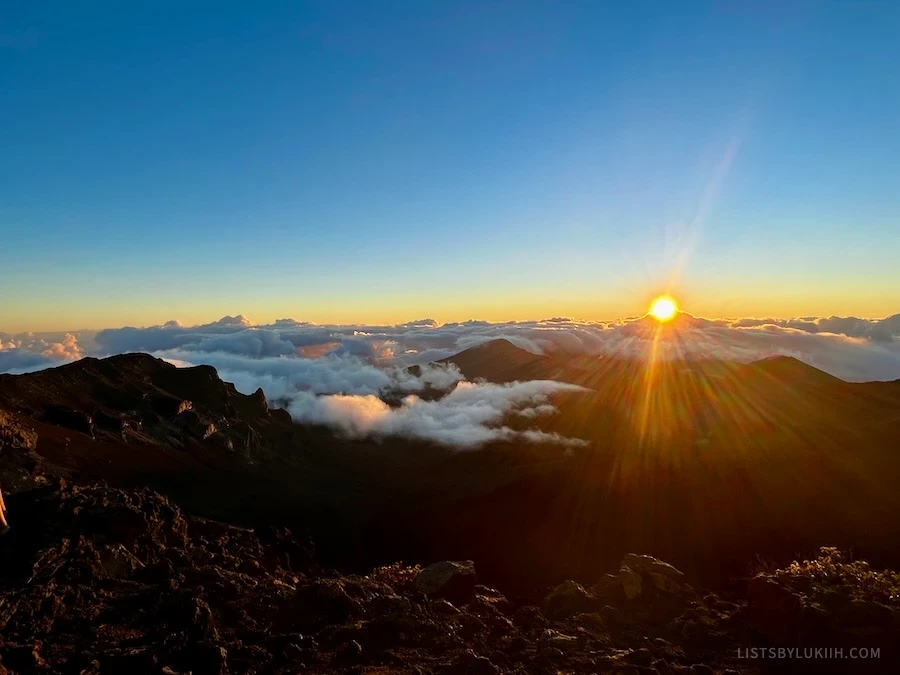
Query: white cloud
x,y
357,368
28,352
469,416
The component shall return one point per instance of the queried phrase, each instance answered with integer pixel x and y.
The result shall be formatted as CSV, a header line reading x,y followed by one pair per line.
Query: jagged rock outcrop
x,y
136,398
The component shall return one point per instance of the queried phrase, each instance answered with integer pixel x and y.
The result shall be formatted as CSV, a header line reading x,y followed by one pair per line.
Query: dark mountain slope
x,y
501,361
703,463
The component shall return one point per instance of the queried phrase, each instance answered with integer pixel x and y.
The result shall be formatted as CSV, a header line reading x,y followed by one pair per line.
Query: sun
x,y
663,308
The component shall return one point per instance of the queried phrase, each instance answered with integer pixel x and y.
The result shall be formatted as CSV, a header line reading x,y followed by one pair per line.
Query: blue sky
x,y
383,161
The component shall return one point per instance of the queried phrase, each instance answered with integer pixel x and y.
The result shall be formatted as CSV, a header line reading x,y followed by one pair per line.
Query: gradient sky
x,y
384,161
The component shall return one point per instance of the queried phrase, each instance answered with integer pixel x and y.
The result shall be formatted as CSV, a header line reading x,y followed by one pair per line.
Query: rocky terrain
x,y
102,580
162,522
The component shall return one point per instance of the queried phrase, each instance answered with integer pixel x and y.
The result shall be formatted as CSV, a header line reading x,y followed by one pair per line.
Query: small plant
x,y
398,576
836,570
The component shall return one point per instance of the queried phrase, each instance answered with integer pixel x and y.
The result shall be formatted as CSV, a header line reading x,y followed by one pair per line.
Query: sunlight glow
x,y
663,308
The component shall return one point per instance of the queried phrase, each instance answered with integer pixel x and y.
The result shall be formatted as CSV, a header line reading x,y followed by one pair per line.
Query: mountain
x,y
705,464
501,361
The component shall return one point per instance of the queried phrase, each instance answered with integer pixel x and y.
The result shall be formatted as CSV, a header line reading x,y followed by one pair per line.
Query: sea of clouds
x,y
340,375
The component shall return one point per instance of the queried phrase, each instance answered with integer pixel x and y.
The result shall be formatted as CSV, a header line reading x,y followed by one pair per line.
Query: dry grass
x,y
836,570
398,576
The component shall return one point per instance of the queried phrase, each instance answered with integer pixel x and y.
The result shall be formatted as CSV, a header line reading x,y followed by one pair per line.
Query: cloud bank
x,y
357,379
467,417
848,347
27,352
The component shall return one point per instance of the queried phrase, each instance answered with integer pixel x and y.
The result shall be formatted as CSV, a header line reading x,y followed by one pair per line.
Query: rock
x,y
593,625
280,641
116,424
201,622
94,669
452,581
114,516
349,651
663,668
640,657
15,434
556,639
529,617
24,658
280,415
639,574
118,562
634,669
325,600
206,658
863,617
493,598
475,664
194,423
631,582
569,598
773,610
392,605
139,660
550,655
259,400
442,608
291,552
471,626
609,589
701,669
664,577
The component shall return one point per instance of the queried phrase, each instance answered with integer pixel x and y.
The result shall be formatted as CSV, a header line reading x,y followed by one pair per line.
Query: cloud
x,y
282,377
356,378
849,358
347,393
879,330
467,417
67,350
848,347
28,352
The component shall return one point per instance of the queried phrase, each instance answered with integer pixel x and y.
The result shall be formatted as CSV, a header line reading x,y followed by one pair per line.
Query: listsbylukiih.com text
x,y
809,653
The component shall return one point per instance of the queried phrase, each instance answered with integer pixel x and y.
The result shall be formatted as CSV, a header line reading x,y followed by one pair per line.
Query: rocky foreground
x,y
102,580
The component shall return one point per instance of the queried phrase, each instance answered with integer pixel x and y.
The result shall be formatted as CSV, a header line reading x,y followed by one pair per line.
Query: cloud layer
x,y
27,352
469,416
344,376
847,347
